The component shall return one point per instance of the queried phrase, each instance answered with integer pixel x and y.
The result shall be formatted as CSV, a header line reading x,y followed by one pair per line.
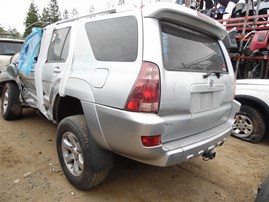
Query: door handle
x,y
57,70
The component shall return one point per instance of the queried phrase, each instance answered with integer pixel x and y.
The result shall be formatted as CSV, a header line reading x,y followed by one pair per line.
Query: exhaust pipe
x,y
209,155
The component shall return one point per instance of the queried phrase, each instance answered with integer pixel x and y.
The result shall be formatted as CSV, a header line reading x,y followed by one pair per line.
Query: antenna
x,y
36,23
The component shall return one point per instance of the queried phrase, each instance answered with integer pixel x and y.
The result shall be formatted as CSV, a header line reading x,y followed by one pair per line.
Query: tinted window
x,y
59,45
66,48
114,39
185,49
10,48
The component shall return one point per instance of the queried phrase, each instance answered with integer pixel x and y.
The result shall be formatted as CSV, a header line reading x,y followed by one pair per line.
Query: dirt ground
x,y
30,171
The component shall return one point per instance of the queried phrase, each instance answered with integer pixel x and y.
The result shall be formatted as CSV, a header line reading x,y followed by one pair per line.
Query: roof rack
x,y
95,14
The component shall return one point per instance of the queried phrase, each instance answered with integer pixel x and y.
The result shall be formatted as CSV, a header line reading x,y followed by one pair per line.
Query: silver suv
x,y
154,84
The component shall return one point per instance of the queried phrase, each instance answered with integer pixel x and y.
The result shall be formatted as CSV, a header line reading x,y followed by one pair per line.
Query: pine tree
x,y
91,9
51,13
65,14
32,17
74,13
45,17
121,2
55,14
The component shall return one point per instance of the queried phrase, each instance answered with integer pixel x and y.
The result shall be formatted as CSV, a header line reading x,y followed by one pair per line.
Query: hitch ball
x,y
209,155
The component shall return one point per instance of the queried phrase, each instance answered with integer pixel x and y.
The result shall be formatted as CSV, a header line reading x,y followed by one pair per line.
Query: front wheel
x,y
249,125
10,105
75,152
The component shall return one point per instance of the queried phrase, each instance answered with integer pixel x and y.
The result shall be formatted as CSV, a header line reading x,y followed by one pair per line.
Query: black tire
x,y
249,125
10,104
76,156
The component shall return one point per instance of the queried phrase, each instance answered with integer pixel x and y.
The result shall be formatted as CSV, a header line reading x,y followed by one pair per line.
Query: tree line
x,y
50,14
9,33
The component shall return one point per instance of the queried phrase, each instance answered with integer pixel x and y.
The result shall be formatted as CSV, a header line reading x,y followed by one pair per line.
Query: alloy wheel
x,y
243,126
72,154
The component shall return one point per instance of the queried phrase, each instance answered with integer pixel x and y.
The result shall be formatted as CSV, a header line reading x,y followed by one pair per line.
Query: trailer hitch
x,y
209,155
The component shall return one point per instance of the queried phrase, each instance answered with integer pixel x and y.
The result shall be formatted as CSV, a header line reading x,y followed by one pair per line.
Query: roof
x,y
11,40
171,12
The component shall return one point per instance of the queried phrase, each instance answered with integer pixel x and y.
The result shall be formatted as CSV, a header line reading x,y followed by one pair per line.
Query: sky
x,y
13,12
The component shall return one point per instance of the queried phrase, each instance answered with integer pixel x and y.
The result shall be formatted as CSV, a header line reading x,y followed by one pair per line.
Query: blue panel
x,y
29,50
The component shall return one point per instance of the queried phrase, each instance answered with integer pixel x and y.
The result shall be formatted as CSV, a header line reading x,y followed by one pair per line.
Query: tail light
x,y
145,95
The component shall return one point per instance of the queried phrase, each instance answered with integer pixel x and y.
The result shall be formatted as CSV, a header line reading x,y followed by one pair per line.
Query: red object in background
x,y
259,41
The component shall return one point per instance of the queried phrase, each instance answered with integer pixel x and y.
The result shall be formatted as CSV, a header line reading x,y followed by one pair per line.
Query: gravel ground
x,y
30,171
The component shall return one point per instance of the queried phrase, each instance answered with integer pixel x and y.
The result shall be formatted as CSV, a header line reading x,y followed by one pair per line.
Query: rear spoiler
x,y
186,17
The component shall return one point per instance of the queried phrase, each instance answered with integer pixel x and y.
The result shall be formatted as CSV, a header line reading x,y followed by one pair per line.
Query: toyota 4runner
x,y
154,84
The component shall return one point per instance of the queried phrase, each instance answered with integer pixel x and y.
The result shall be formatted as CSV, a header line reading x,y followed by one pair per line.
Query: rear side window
x,y
59,45
188,50
114,39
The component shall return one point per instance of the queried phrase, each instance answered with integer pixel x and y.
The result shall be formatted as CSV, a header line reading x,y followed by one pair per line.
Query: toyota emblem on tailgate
x,y
211,83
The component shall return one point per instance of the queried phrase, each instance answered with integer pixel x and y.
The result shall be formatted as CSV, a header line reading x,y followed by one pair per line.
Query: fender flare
x,y
255,102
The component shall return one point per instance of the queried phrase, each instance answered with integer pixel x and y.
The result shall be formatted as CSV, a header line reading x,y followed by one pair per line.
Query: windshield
x,y
188,50
9,48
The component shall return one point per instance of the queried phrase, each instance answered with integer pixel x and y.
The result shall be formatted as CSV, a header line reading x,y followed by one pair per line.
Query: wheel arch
x,y
62,103
256,103
79,99
75,91
3,83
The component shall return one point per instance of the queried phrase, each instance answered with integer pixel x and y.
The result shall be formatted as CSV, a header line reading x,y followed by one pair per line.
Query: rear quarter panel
x,y
111,82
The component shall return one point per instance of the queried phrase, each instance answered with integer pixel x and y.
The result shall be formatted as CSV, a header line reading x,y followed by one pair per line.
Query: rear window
x,y
188,50
10,48
114,39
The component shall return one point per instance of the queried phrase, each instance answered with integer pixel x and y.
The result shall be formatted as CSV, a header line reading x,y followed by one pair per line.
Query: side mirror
x,y
12,71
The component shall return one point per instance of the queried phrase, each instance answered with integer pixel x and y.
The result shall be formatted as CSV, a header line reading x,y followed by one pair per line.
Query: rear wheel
x,y
10,105
75,152
249,125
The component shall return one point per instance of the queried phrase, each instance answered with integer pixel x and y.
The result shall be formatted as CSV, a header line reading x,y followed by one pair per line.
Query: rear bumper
x,y
122,131
198,146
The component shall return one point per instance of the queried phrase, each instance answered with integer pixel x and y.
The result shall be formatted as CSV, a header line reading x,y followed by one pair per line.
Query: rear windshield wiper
x,y
216,72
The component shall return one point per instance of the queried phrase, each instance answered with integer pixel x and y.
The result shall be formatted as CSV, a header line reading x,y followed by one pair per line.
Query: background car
x,y
251,123
8,47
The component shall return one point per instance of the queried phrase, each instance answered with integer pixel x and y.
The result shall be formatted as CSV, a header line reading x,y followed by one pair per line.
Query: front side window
x,y
59,45
114,39
188,50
